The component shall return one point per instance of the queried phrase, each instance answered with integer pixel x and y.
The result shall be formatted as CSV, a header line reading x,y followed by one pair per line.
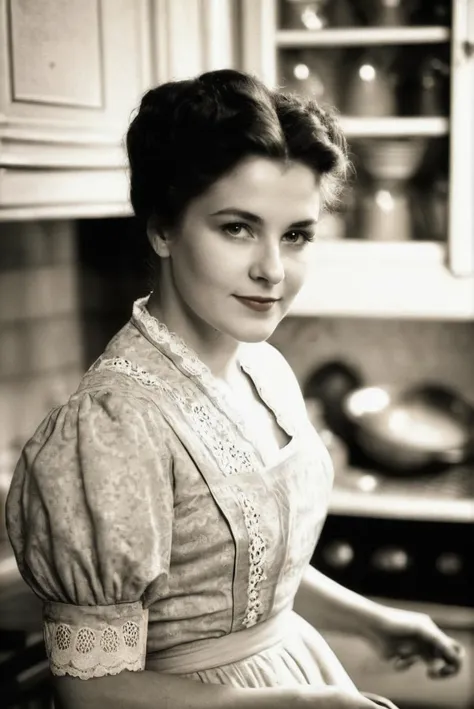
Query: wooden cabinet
x,y
71,74
431,277
193,36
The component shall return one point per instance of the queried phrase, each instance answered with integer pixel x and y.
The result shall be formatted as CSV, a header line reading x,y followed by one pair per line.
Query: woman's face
x,y
246,238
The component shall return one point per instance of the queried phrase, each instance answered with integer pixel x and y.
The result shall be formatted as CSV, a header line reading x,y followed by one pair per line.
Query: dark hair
x,y
187,134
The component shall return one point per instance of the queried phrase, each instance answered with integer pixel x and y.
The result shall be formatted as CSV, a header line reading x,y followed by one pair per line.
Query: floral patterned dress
x,y
145,516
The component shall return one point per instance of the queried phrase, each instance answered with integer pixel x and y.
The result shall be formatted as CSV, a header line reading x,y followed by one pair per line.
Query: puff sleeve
x,y
89,516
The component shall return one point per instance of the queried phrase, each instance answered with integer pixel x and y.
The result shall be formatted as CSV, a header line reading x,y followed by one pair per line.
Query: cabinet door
x,y
194,36
461,218
71,72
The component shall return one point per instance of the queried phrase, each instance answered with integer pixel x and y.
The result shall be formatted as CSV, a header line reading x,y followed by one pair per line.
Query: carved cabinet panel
x,y
71,74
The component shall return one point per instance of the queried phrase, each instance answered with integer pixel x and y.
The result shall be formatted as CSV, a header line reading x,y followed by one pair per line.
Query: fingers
x,y
442,654
367,702
454,652
406,656
447,665
439,669
448,656
443,664
380,701
404,663
335,698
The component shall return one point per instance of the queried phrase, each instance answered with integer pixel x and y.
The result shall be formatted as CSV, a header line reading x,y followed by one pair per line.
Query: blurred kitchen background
x,y
381,338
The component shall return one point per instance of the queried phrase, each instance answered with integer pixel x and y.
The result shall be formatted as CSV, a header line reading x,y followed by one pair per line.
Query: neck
x,y
217,351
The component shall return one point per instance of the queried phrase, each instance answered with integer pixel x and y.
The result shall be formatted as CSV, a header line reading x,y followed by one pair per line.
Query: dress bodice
x,y
144,514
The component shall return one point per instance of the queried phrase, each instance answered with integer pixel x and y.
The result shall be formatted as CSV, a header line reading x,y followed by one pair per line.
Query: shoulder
x,y
132,364
104,404
106,432
99,458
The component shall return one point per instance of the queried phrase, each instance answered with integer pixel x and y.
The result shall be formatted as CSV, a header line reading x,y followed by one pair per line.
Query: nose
x,y
268,264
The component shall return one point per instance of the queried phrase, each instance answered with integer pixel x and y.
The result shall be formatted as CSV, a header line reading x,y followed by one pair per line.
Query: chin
x,y
258,332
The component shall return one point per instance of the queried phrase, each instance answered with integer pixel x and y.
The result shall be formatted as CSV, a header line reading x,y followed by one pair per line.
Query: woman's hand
x,y
407,637
344,700
331,697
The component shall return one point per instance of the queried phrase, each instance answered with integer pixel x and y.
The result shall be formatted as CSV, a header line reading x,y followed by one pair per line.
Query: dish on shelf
x,y
392,158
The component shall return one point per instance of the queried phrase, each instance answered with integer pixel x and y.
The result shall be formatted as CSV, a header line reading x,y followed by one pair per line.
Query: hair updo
x,y
187,134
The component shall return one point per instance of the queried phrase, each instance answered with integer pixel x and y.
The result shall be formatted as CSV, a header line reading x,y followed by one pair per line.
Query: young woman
x,y
167,513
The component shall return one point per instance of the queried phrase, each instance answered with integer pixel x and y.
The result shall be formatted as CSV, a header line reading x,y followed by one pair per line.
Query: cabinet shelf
x,y
361,36
346,502
395,126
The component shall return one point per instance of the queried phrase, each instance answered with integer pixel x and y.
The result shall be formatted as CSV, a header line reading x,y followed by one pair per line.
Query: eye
x,y
235,229
299,237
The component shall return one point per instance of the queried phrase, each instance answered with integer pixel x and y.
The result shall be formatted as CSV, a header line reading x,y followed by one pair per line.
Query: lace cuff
x,y
93,641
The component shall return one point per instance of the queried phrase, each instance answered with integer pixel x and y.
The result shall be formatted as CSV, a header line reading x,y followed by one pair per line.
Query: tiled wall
x,y
66,287
112,257
395,351
41,356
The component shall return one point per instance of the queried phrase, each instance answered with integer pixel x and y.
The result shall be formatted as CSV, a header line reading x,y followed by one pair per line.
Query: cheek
x,y
204,262
296,272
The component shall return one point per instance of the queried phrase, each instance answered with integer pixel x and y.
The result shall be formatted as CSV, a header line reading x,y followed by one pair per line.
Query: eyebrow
x,y
258,220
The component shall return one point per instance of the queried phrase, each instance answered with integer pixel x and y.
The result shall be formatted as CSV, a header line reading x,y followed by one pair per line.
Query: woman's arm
x,y
327,605
151,690
402,635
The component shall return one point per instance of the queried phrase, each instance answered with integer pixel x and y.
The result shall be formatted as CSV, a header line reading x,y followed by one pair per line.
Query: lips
x,y
257,298
257,303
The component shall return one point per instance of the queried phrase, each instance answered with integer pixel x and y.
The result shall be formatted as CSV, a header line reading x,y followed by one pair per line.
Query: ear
x,y
158,238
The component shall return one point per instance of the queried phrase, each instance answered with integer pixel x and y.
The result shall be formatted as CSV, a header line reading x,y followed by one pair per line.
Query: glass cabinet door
x,y
371,63
401,76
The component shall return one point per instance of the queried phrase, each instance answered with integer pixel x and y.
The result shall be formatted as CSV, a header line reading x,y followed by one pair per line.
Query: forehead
x,y
269,188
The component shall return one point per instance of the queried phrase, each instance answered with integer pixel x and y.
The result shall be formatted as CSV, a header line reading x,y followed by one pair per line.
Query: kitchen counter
x,y
447,496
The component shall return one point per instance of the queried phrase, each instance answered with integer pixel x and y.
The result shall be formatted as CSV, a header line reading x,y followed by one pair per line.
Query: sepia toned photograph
x,y
236,354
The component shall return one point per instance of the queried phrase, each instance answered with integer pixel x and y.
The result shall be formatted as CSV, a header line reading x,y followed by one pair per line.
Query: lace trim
x,y
214,430
257,556
193,365
87,652
190,361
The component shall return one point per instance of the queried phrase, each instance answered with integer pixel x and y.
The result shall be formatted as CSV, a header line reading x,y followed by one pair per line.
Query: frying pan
x,y
402,429
406,429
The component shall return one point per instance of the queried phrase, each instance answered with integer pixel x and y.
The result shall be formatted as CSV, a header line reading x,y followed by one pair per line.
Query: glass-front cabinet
x,y
401,76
